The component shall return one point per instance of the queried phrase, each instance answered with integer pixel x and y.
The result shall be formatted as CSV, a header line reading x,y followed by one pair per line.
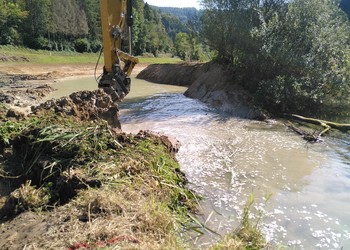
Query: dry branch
x,y
339,126
315,137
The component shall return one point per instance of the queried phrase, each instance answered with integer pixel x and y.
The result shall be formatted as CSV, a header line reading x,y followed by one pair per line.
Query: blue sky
x,y
174,3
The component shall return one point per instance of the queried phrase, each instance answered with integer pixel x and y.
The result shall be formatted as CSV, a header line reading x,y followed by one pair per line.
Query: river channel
x,y
301,191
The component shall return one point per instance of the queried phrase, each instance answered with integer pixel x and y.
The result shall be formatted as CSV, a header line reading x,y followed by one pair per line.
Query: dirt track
x,y
48,70
55,71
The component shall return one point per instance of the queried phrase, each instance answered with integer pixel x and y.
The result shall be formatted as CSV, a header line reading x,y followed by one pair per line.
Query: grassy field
x,y
13,54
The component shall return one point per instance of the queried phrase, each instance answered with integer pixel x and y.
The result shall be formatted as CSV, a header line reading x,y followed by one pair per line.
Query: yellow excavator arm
x,y
118,65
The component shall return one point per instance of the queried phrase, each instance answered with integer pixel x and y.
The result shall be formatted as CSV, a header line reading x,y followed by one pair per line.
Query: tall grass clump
x,y
247,236
114,187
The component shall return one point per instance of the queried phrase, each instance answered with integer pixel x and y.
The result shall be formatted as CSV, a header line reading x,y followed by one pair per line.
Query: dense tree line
x,y
294,56
74,25
50,24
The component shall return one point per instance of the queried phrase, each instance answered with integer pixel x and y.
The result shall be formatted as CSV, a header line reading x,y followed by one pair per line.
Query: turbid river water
x,y
301,191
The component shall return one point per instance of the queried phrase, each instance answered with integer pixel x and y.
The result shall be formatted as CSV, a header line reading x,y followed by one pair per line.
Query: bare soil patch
x,y
83,106
6,58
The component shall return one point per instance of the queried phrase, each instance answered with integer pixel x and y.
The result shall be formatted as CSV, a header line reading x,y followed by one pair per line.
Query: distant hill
x,y
184,14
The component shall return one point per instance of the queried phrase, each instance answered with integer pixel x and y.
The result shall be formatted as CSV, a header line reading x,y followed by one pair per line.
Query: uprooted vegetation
x,y
69,179
87,185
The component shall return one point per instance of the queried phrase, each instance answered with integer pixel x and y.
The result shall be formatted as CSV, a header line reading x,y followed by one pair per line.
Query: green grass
x,y
159,60
248,236
44,57
52,57
126,183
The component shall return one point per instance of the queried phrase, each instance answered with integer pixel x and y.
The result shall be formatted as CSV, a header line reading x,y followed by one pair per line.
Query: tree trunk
x,y
315,137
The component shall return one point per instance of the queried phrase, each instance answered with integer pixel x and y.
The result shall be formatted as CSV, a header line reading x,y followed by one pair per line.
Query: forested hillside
x,y
184,14
50,24
74,25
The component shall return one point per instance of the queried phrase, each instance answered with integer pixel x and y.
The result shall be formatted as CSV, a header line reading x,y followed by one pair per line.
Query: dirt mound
x,y
7,113
5,58
210,83
84,106
182,74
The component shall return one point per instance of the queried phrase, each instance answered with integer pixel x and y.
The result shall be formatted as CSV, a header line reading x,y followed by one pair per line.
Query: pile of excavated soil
x,y
6,58
210,83
84,106
182,74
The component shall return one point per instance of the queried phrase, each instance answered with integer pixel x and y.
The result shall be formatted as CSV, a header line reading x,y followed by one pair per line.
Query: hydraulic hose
x,y
129,15
129,22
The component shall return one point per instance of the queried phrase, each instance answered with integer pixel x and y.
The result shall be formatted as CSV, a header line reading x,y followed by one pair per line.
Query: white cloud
x,y
174,3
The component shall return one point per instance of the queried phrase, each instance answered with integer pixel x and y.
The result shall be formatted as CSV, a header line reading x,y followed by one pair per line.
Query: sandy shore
x,y
56,71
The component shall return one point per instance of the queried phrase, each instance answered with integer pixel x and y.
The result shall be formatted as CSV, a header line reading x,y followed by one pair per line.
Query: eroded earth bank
x,y
208,82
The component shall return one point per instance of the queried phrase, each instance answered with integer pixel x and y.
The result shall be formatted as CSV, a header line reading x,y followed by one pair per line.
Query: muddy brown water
x,y
301,191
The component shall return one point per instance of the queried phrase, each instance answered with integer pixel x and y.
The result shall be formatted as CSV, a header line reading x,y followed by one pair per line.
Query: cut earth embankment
x,y
208,82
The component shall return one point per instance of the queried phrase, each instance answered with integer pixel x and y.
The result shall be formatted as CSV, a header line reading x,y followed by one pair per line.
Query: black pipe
x,y
129,16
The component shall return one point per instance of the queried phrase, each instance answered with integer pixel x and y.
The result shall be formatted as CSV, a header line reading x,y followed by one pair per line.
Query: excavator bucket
x,y
118,65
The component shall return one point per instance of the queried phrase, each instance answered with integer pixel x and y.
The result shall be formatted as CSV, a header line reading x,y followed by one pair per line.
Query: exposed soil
x,y
83,106
53,71
6,58
25,84
23,90
181,74
208,82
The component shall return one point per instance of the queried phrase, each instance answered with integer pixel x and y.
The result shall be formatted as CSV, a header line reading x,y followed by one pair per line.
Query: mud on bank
x,y
26,84
23,90
70,180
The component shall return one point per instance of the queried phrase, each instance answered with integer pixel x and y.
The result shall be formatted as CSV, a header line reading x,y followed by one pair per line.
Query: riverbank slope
x,y
208,82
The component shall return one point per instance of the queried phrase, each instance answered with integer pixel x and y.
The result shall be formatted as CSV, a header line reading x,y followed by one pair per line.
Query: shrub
x,y
292,56
81,45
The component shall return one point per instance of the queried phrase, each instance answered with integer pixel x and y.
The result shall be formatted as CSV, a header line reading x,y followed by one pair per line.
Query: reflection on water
x,y
65,88
227,159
